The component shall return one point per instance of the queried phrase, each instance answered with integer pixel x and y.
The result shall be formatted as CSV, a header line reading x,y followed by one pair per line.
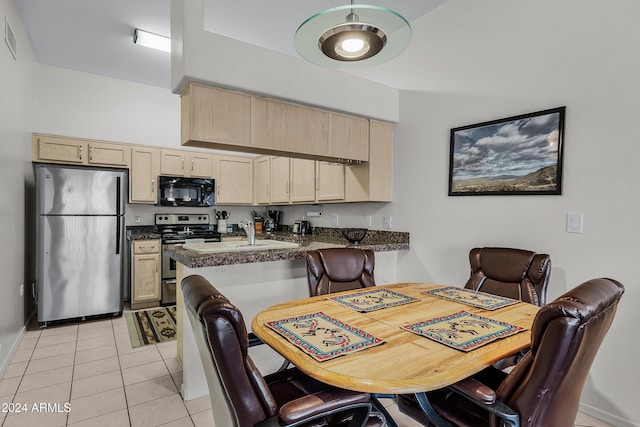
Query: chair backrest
x,y
512,273
239,394
545,386
339,269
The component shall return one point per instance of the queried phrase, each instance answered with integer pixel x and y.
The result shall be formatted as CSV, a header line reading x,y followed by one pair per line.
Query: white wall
x,y
523,57
73,103
16,175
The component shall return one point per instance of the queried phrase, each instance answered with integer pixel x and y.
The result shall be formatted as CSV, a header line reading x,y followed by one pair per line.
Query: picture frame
x,y
519,155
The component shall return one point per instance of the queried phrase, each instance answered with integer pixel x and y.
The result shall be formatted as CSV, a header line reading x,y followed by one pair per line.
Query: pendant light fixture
x,y
352,36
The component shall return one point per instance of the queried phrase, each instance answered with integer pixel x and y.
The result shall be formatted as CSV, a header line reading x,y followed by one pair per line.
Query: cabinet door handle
x,y
267,190
153,186
183,164
287,187
218,191
90,153
192,165
80,152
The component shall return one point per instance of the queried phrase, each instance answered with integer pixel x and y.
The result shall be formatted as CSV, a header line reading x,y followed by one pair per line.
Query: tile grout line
x,y
73,370
124,390
15,394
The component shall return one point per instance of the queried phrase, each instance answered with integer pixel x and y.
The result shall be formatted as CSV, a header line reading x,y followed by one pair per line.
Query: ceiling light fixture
x,y
352,36
151,40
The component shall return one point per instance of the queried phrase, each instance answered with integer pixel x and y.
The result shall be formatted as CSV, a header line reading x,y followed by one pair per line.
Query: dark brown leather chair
x,y
240,395
512,273
339,269
544,388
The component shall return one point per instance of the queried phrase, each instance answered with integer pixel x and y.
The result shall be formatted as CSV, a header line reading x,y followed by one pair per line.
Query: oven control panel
x,y
182,219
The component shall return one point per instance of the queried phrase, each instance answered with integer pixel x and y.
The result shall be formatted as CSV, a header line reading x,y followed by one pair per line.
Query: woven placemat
x,y
472,298
373,299
323,337
462,330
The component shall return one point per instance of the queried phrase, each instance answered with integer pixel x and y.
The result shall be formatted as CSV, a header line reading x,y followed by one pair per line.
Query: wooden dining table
x,y
405,363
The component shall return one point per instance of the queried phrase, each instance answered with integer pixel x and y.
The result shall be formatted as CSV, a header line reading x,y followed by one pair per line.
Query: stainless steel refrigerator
x,y
80,241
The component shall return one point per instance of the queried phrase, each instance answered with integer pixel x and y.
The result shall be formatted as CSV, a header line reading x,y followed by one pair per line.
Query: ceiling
x,y
96,36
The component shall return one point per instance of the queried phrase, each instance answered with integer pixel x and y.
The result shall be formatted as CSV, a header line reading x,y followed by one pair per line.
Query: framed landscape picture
x,y
515,155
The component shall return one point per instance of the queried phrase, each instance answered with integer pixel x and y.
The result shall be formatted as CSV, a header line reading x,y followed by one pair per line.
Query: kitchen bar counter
x,y
377,241
253,284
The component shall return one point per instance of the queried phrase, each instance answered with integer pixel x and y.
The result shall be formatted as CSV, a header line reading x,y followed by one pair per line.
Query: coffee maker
x,y
273,223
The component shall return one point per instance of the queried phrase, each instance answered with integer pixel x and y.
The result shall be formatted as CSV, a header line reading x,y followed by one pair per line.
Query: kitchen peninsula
x,y
256,279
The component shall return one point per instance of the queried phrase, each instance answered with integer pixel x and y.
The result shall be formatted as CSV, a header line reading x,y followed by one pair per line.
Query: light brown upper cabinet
x,y
261,173
234,180
271,180
283,127
267,123
279,180
348,137
306,130
303,181
329,181
143,174
186,163
56,149
213,116
235,121
315,181
200,165
373,181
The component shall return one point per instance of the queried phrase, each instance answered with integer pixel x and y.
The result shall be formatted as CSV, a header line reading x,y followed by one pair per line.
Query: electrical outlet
x,y
387,222
367,220
334,219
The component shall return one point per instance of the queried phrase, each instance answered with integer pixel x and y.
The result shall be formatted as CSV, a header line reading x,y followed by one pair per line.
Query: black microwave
x,y
179,191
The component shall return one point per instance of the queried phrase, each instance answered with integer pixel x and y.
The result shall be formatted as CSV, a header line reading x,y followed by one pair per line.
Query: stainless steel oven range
x,y
177,229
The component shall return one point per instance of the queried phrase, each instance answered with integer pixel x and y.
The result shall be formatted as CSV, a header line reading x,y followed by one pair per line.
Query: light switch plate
x,y
574,222
334,219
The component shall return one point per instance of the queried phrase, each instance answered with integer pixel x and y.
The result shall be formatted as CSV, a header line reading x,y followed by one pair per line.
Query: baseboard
x,y
14,347
606,416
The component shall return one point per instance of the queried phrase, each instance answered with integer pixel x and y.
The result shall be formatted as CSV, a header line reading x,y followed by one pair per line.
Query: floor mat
x,y
151,326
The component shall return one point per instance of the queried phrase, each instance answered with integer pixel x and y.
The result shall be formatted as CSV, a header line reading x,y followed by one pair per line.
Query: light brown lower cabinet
x,y
146,270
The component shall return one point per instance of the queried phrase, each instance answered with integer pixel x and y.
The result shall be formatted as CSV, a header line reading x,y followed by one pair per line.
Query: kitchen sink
x,y
238,246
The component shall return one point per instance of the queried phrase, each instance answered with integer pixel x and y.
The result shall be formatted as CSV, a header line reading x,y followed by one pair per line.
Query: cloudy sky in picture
x,y
508,149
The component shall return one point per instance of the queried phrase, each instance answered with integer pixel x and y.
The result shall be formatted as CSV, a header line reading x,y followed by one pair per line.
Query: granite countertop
x,y
142,232
378,241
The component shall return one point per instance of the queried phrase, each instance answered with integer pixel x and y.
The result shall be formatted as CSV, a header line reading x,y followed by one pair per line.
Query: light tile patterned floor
x,y
92,368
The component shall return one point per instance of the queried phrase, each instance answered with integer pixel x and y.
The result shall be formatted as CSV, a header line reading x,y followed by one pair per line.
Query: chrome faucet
x,y
250,229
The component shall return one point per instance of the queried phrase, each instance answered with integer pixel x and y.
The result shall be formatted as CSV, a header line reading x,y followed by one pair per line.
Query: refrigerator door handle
x,y
118,196
118,219
118,216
